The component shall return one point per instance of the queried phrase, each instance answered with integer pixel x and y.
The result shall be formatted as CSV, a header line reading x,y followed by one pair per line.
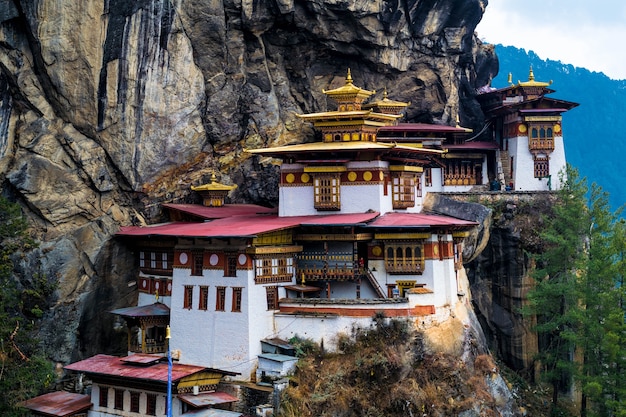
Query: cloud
x,y
578,32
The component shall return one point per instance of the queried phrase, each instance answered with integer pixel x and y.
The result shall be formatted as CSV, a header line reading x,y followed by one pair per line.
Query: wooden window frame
x,y
197,264
134,401
203,301
273,268
118,399
271,294
220,299
151,400
428,177
236,305
541,166
159,262
403,190
188,297
103,397
404,257
230,265
327,191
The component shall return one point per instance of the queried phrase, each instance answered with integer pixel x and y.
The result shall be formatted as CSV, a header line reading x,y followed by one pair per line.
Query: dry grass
x,y
384,371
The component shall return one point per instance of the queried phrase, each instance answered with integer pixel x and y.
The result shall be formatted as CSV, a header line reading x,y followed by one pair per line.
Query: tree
x,y
554,299
24,371
578,300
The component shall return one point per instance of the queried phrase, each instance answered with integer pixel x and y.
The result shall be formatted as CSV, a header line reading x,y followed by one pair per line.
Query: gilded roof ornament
x,y
213,186
531,81
386,105
348,92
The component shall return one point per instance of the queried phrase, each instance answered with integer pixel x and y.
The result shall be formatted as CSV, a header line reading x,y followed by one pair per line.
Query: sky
x,y
584,33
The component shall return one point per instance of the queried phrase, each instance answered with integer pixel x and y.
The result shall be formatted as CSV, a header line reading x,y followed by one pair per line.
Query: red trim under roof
x,y
244,226
227,210
419,220
114,366
468,146
58,404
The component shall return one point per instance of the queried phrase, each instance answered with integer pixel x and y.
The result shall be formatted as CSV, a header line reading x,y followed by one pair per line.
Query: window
x,y
274,268
403,191
203,302
428,177
272,297
196,265
326,192
188,297
119,399
134,402
103,398
157,261
236,299
404,257
542,167
230,267
541,138
220,299
151,404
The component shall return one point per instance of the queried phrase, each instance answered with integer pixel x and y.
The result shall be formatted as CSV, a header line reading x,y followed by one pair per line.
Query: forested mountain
x,y
595,138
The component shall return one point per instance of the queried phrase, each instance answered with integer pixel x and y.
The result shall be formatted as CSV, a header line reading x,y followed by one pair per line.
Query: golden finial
x,y
213,178
385,93
168,335
349,77
156,295
531,74
510,80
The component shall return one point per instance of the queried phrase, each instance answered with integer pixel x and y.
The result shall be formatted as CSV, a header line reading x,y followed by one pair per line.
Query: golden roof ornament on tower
x,y
531,81
213,194
348,97
386,105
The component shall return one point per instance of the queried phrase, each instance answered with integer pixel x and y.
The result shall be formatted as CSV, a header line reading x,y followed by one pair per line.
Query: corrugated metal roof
x,y
206,399
150,310
58,404
227,210
142,358
418,220
243,226
115,366
277,357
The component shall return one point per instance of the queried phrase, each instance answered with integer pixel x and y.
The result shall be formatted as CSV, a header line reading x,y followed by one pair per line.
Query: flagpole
x,y
169,372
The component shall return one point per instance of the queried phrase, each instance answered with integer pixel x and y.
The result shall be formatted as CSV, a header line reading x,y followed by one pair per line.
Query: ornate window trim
x,y
541,166
273,269
404,257
157,262
220,299
327,191
403,187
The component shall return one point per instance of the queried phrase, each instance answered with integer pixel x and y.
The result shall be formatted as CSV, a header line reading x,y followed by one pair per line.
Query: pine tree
x,y
23,370
554,301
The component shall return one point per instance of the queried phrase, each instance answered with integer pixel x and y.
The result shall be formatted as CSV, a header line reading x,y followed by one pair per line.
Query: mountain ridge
x,y
591,131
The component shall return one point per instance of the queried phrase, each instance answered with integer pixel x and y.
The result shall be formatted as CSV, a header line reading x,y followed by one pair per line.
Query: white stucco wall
x,y
524,167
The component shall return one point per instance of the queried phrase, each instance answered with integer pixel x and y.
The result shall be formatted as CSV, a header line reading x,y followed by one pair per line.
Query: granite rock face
x,y
108,108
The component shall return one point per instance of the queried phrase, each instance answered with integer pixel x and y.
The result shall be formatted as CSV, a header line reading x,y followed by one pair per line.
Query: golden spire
x,y
349,77
510,79
531,81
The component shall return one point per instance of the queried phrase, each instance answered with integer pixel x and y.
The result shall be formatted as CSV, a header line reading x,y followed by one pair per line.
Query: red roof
x,y
58,404
227,210
419,220
422,127
244,226
114,366
151,310
206,399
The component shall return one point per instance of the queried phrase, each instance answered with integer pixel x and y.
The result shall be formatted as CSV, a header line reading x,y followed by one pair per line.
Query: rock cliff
x,y
109,108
